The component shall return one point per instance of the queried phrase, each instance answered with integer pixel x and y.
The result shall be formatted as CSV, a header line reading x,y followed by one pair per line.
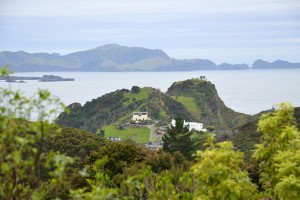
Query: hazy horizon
x,y
222,31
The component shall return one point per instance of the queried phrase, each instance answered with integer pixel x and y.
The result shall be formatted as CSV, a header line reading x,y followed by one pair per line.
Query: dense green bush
x,y
22,142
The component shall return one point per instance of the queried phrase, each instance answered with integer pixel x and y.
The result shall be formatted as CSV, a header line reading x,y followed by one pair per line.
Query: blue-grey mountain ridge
x,y
113,57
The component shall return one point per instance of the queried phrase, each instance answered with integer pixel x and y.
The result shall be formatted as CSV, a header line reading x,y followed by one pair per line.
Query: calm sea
x,y
246,91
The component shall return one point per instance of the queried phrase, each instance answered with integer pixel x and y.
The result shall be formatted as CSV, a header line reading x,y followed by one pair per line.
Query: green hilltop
x,y
193,100
201,99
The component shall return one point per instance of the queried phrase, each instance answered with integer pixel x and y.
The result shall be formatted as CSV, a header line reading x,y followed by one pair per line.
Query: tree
x,y
203,78
119,155
22,143
98,186
210,129
218,173
135,89
178,138
278,154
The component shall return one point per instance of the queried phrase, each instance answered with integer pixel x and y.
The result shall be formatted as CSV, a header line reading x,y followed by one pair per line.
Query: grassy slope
x,y
130,98
142,95
189,103
139,135
192,100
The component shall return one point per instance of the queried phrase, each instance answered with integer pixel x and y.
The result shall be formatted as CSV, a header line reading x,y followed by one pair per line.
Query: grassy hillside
x,y
189,103
201,99
117,108
193,100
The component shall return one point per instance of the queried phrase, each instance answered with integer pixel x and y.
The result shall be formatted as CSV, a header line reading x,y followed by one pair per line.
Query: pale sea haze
x,y
245,91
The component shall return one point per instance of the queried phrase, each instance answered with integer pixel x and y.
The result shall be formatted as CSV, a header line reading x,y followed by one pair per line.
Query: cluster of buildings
x,y
138,117
143,116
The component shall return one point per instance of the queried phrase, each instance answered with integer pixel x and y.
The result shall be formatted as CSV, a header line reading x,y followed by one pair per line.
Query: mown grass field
x,y
139,135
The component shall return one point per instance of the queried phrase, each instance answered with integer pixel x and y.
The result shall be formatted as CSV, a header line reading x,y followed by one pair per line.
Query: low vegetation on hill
x,y
193,100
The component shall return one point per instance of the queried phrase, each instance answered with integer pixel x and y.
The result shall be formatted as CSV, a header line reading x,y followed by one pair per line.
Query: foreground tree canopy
x,y
178,138
129,171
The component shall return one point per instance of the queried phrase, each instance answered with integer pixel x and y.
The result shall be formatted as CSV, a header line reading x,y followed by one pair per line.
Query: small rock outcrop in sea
x,y
52,78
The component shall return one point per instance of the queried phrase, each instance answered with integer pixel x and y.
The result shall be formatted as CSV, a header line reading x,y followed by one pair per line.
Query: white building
x,y
193,126
140,116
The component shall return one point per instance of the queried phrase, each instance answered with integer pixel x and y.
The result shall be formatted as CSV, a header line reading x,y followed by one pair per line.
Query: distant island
x,y
52,78
44,78
113,57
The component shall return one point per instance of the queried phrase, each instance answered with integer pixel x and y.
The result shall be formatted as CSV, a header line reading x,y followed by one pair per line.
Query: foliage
x,y
98,186
245,137
73,142
164,188
218,173
210,129
279,154
137,185
22,142
178,138
159,161
135,89
119,155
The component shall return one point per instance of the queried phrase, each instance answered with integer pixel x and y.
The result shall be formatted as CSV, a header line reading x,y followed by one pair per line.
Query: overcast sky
x,y
234,31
